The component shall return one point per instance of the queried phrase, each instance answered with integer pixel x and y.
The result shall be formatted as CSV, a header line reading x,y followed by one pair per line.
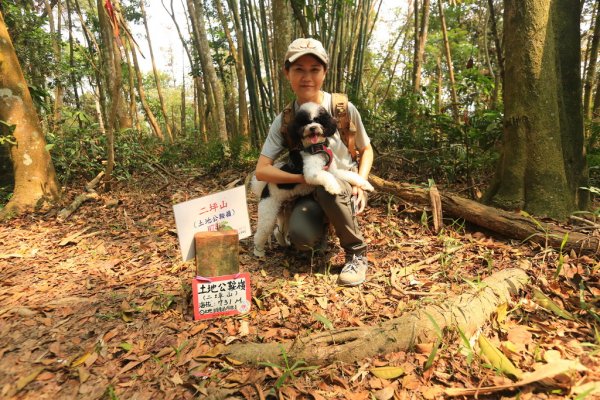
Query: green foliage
x,y
31,41
434,144
81,152
6,133
288,371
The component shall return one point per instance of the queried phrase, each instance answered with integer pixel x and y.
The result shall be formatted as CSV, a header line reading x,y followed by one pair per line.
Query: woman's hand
x,y
359,198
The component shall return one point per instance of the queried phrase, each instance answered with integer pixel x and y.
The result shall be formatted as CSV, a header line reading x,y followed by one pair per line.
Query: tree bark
x,y
591,68
453,95
196,10
542,165
467,312
282,37
55,30
35,179
420,47
497,45
112,78
142,93
161,98
238,58
509,224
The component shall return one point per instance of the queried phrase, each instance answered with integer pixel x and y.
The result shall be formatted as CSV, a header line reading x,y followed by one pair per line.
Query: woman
x,y
306,63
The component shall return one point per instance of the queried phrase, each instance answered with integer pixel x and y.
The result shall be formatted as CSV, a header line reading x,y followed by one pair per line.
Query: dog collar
x,y
321,148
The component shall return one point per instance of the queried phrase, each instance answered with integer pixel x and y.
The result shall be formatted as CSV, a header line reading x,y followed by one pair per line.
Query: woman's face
x,y
306,76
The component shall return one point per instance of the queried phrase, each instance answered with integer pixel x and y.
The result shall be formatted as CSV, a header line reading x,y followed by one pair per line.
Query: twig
x,y
585,221
79,200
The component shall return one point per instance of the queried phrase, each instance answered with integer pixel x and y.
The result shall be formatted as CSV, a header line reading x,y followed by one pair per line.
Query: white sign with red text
x,y
227,208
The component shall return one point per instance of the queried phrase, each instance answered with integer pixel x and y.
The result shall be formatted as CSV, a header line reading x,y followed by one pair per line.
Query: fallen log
x,y
468,312
90,193
509,224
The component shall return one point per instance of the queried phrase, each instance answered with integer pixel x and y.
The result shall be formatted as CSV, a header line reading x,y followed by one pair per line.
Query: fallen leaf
x,y
73,238
244,329
176,379
83,374
322,301
80,360
552,355
387,372
24,381
387,392
497,358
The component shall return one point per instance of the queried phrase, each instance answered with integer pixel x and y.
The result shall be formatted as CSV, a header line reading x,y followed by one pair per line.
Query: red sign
x,y
221,295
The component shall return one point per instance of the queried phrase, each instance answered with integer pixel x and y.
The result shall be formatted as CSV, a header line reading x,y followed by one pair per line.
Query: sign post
x,y
209,229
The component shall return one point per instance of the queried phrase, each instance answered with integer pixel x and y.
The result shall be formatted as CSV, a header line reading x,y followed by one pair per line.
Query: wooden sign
x,y
210,213
221,295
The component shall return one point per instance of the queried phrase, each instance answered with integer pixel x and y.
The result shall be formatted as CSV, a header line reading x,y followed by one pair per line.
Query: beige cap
x,y
302,47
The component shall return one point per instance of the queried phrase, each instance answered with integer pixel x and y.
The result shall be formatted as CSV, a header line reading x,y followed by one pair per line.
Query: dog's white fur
x,y
314,174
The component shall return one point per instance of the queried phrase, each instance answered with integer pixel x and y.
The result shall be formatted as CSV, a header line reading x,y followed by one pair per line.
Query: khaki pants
x,y
310,214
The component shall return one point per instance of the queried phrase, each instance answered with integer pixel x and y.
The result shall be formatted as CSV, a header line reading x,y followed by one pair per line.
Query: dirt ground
x,y
99,306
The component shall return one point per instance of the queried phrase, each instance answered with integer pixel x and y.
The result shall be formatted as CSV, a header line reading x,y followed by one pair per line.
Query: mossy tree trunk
x,y
35,179
543,163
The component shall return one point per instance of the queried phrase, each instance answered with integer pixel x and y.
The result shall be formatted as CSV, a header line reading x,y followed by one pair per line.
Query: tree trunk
x,y
282,37
466,313
542,165
591,68
238,58
111,62
420,46
210,75
35,180
453,96
509,224
497,45
55,30
142,93
156,76
72,76
131,87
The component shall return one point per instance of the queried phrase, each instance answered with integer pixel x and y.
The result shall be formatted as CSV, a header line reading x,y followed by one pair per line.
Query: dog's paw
x,y
333,187
368,187
260,253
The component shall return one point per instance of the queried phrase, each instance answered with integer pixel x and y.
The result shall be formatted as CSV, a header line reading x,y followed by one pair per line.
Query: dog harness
x,y
321,148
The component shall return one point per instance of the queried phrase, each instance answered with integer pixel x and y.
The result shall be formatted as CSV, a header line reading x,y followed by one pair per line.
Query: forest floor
x,y
99,306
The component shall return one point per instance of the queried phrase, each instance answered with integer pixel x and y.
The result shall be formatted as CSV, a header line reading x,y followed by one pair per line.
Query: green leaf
x,y
542,300
126,346
432,355
323,319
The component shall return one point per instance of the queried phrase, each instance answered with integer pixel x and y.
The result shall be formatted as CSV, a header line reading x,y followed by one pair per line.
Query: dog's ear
x,y
327,121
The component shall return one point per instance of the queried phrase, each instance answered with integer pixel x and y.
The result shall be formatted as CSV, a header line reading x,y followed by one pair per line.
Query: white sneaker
x,y
355,271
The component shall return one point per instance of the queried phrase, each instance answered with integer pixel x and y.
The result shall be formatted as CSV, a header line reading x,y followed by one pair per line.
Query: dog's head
x,y
312,124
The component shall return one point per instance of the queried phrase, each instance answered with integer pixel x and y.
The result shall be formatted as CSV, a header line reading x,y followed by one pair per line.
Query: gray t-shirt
x,y
275,143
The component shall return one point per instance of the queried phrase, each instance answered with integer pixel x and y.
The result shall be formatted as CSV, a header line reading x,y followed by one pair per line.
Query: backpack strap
x,y
347,129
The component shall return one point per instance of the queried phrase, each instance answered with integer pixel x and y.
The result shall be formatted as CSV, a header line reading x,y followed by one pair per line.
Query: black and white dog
x,y
311,128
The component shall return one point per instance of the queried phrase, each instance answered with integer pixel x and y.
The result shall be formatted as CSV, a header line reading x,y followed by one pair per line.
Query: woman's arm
x,y
265,171
366,162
